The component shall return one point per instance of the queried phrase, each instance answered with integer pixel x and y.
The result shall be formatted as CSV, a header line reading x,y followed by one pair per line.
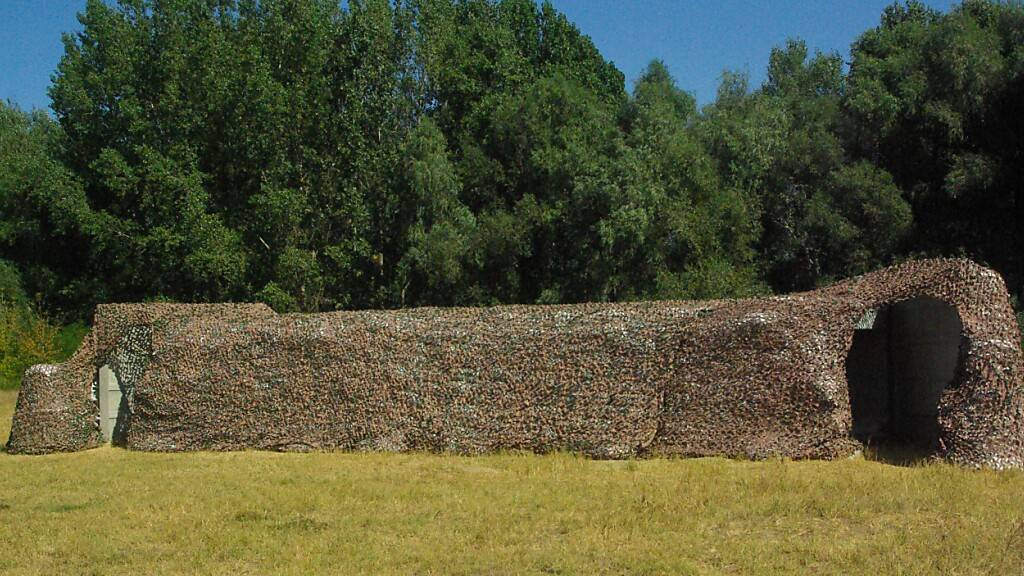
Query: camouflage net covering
x,y
755,378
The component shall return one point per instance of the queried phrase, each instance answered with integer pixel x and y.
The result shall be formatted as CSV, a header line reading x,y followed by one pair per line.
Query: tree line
x,y
384,154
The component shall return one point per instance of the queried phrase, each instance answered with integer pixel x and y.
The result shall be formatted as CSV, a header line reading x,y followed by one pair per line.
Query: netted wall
x,y
754,378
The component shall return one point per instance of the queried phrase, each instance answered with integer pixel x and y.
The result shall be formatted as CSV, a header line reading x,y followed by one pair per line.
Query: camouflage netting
x,y
757,378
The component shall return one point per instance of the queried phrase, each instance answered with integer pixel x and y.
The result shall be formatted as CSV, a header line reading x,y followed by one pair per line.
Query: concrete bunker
x,y
903,357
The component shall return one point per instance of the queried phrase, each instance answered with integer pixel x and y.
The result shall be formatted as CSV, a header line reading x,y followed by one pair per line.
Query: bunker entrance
x,y
902,358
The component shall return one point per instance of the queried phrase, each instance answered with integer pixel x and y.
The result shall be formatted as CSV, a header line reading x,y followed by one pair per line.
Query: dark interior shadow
x,y
901,359
898,453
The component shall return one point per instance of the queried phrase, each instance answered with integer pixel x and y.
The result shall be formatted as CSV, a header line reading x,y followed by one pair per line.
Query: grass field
x,y
108,511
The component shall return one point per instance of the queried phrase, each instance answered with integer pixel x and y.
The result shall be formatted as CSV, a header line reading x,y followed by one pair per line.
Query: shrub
x,y
10,284
25,339
69,338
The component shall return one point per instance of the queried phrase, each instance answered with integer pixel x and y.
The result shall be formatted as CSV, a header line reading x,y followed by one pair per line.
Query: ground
x,y
109,511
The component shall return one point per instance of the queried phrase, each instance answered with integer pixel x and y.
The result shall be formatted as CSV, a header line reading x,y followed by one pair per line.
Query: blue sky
x,y
697,39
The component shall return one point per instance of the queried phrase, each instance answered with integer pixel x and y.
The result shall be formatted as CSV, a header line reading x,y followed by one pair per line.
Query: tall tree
x,y
675,230
46,223
936,99
242,147
821,216
318,155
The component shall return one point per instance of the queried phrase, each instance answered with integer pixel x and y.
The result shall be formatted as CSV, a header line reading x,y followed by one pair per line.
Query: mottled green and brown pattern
x,y
757,378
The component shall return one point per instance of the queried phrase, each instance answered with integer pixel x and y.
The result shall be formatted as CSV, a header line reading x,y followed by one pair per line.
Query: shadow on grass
x,y
899,454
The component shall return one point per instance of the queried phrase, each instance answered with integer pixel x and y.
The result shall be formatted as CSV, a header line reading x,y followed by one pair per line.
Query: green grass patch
x,y
110,511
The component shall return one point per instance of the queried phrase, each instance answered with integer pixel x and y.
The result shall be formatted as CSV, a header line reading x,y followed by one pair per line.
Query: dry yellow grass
x,y
109,511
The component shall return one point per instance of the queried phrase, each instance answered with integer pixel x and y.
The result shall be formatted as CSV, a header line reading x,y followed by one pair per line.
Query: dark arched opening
x,y
902,358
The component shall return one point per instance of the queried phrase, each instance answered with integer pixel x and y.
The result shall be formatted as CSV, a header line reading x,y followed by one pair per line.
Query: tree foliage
x,y
938,101
315,155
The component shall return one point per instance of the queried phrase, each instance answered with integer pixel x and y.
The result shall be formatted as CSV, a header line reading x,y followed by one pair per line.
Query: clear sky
x,y
697,39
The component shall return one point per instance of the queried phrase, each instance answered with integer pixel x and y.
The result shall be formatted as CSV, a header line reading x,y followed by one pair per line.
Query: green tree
x,y
820,215
46,223
936,99
432,225
676,231
240,148
317,155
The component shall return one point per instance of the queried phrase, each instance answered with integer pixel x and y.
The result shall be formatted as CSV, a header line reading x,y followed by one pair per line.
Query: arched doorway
x,y
902,358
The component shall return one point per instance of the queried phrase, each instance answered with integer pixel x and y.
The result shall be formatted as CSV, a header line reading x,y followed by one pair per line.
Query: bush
x,y
69,338
10,284
25,339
